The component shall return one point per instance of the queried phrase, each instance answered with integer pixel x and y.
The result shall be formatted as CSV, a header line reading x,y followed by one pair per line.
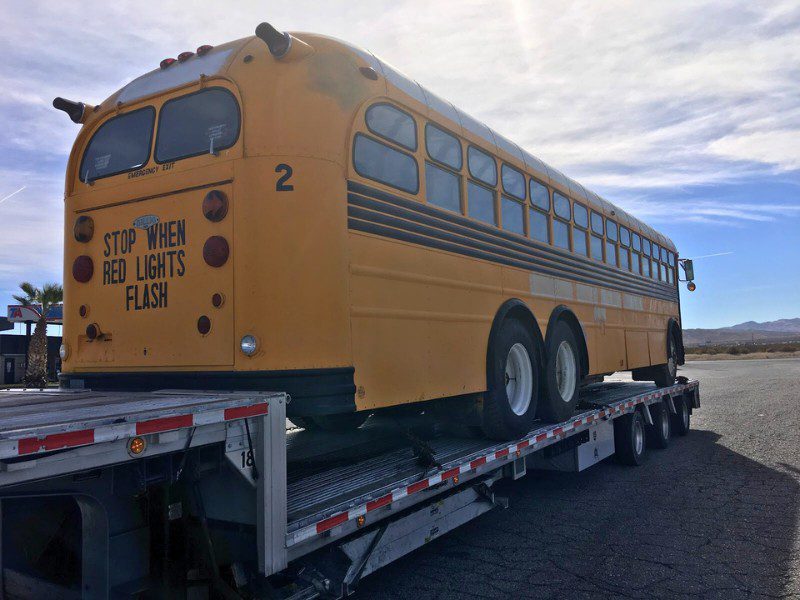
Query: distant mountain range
x,y
750,331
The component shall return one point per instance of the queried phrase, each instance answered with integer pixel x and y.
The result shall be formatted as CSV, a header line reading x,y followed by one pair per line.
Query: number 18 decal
x,y
282,185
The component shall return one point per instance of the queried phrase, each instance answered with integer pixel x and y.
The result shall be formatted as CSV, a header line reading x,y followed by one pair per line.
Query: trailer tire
x,y
681,422
513,381
331,423
630,438
660,431
562,375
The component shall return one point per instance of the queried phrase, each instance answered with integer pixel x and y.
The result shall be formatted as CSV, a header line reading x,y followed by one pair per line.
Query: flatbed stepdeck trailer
x,y
185,489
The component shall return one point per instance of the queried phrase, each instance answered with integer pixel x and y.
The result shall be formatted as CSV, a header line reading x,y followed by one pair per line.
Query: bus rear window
x,y
120,144
199,123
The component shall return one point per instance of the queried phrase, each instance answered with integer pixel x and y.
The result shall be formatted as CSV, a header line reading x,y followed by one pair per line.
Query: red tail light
x,y
203,49
216,251
215,206
185,56
166,62
92,331
203,325
217,300
83,269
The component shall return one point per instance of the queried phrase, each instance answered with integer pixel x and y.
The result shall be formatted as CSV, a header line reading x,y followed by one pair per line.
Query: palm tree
x,y
47,296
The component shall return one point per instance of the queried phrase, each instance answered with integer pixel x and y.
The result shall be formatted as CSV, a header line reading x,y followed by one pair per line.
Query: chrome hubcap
x,y
519,379
638,437
664,423
566,371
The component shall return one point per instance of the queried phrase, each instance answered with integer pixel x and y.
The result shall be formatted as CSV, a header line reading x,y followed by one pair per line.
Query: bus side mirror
x,y
688,269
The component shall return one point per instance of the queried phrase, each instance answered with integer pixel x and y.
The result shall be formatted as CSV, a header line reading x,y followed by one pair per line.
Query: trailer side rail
x,y
336,522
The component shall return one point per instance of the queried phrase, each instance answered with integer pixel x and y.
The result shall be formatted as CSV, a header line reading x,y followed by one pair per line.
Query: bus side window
x,y
597,247
611,253
580,216
597,223
561,226
513,182
539,215
482,166
443,147
636,242
623,258
375,160
442,187
513,215
392,124
636,265
480,203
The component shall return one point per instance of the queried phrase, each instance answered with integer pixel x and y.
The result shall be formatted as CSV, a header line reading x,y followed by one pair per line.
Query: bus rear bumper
x,y
312,391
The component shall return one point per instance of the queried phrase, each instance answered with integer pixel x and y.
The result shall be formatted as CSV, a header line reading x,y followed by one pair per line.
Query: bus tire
x,y
332,423
630,438
562,375
513,381
681,421
664,375
660,431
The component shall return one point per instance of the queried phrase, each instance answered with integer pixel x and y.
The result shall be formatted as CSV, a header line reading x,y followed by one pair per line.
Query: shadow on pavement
x,y
696,520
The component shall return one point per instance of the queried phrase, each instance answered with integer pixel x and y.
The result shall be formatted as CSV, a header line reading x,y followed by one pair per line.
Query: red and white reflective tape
x,y
108,433
536,441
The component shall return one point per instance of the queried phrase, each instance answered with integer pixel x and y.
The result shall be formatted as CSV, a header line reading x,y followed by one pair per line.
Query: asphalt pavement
x,y
715,515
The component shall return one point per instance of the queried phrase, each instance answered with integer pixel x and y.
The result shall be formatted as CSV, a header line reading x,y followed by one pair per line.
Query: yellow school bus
x,y
288,212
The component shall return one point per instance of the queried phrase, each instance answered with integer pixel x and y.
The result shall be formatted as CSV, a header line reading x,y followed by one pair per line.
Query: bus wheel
x,y
630,438
332,423
664,375
509,406
562,376
660,431
682,420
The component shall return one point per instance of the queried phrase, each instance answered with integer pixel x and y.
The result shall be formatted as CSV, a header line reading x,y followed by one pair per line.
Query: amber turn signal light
x,y
83,269
216,251
136,446
215,206
84,228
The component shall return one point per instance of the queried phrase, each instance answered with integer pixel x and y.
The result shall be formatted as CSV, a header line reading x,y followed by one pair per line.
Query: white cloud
x,y
635,99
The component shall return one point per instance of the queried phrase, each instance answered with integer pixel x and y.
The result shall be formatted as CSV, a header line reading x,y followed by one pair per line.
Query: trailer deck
x,y
371,495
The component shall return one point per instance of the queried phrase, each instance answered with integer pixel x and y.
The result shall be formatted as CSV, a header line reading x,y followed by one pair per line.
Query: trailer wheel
x,y
514,381
563,374
660,431
681,421
664,375
332,423
630,438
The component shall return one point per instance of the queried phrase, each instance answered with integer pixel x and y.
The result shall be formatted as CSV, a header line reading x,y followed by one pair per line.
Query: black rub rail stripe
x,y
519,250
413,238
496,235
358,203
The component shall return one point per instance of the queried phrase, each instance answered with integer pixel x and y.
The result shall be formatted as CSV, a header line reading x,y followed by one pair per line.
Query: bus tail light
x,y
84,229
216,251
83,269
215,206
185,56
166,62
203,325
204,49
92,331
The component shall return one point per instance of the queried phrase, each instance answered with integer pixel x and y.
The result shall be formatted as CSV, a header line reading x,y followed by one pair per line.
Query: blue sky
x,y
687,114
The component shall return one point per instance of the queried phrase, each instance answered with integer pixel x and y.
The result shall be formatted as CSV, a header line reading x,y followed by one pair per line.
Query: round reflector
x,y
215,205
166,62
217,300
203,325
185,56
84,228
92,331
249,345
83,269
215,251
83,310
203,49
